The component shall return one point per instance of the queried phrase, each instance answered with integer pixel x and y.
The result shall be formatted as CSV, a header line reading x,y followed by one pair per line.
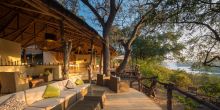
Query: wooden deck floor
x,y
132,100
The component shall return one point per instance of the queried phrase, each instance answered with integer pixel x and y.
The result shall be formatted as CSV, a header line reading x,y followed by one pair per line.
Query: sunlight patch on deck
x,y
132,100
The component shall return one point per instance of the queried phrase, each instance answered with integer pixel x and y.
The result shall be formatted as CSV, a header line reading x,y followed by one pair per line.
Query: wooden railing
x,y
170,88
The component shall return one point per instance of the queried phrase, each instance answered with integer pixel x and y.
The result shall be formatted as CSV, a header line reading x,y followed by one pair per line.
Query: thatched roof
x,y
27,21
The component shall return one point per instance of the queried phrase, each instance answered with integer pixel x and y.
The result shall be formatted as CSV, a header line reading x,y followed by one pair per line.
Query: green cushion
x,y
79,82
51,91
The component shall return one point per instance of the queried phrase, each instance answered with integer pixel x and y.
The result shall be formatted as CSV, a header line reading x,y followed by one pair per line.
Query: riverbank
x,y
207,85
174,65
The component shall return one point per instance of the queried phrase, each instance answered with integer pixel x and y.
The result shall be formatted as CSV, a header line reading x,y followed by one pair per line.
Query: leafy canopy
x,y
157,45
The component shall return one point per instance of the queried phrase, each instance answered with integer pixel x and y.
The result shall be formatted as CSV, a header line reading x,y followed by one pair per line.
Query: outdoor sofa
x,y
34,100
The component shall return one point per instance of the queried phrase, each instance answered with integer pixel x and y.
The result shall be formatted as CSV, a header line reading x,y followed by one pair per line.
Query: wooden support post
x,y
139,84
169,96
1,61
32,58
25,57
101,63
90,66
94,60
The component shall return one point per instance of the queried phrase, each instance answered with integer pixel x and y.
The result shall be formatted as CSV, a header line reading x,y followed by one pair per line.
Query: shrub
x,y
189,103
181,79
150,67
211,90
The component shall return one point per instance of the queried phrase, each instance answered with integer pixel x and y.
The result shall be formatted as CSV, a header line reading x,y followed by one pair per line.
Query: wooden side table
x,y
96,96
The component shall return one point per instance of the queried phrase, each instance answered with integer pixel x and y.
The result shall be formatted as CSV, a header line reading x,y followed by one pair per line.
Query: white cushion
x,y
86,85
19,95
56,84
4,98
61,86
74,78
78,89
64,82
35,94
48,103
67,94
70,85
13,103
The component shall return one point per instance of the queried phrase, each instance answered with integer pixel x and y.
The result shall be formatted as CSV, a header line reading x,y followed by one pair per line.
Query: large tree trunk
x,y
106,24
122,65
106,54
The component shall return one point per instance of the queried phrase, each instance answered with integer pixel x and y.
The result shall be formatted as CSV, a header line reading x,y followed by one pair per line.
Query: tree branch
x,y
100,19
119,4
207,54
112,14
217,37
138,25
210,3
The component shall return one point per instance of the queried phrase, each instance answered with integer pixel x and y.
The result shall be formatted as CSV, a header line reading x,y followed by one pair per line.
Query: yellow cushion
x,y
79,82
51,91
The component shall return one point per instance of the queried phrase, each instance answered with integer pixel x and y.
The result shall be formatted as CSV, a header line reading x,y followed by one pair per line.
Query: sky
x,y
88,16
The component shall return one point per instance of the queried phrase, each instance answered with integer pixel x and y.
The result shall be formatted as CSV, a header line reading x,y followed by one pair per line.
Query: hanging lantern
x,y
50,37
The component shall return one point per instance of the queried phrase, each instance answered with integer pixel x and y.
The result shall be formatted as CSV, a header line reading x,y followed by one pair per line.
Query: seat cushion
x,y
86,85
74,78
70,98
70,85
79,88
67,94
48,103
61,85
19,95
35,94
4,98
13,103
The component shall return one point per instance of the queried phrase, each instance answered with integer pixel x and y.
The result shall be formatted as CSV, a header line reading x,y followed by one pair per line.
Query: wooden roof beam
x,y
22,31
67,27
19,30
7,20
42,9
32,37
27,9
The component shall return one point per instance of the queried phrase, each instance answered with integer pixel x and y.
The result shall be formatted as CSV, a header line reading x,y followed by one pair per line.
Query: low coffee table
x,y
96,96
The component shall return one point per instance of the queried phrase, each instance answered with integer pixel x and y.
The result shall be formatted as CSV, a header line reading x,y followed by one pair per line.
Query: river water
x,y
187,67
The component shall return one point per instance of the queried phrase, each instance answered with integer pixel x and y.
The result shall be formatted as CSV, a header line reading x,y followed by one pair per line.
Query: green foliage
x,y
211,89
209,85
181,79
157,45
152,67
189,104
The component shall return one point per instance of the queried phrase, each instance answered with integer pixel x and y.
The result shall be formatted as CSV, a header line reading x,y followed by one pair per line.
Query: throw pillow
x,y
70,85
51,91
13,103
79,82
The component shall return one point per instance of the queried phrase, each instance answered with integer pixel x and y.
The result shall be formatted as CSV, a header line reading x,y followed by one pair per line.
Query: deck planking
x,y
131,100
